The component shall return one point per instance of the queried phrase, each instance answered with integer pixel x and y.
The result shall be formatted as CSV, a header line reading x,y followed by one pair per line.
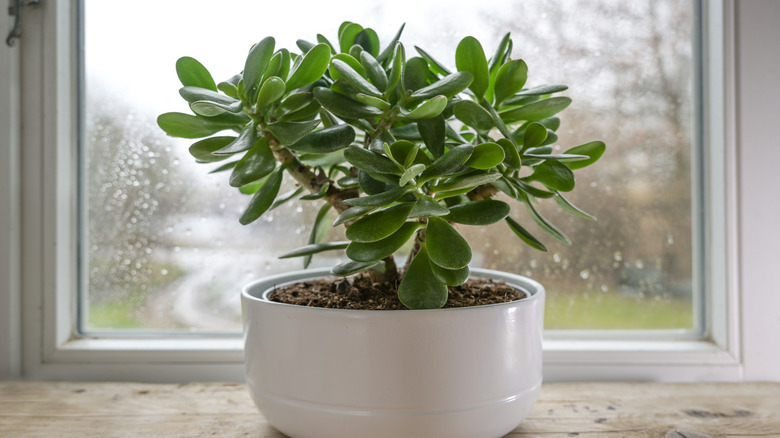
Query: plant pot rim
x,y
251,293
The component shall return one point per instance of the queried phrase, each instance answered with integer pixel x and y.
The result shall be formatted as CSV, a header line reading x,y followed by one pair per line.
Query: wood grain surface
x,y
689,410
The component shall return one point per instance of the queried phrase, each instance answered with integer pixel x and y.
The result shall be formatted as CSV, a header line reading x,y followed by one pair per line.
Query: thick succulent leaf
x,y
355,79
313,65
314,248
325,140
466,181
484,212
450,277
563,158
376,102
374,71
397,70
410,173
554,175
263,199
342,106
510,79
289,196
256,63
193,73
322,39
544,223
403,151
450,162
379,224
224,167
419,288
366,252
427,206
294,102
486,156
571,208
370,185
446,247
274,66
318,195
449,86
406,132
304,45
535,134
255,165
436,66
290,132
203,150
272,90
415,75
347,36
432,132
229,89
474,115
511,156
390,49
350,267
369,161
427,109
379,199
451,193
211,109
368,40
594,150
305,114
196,94
542,90
536,110
524,235
503,50
351,213
189,126
470,57
531,190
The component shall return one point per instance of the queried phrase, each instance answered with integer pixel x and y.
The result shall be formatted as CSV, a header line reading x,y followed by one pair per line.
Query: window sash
x,y
49,218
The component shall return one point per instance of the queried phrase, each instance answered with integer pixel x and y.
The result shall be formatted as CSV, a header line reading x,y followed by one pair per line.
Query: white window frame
x,y
38,220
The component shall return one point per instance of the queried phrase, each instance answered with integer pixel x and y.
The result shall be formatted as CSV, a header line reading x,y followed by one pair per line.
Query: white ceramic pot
x,y
457,373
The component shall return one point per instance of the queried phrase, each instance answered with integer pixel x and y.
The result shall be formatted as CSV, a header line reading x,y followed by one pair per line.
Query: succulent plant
x,y
401,147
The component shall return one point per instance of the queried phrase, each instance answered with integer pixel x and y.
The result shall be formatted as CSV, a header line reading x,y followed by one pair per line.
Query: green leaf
x,y
322,39
350,267
503,50
544,223
594,150
193,73
264,198
304,45
318,195
313,65
366,252
542,90
374,71
419,288
209,109
229,89
524,235
315,248
571,208
554,175
354,78
537,110
289,196
415,74
202,150
224,167
446,247
472,114
272,90
347,36
511,156
376,102
195,94
464,182
379,199
274,66
535,134
290,132
325,140
485,212
432,132
390,49
256,63
436,66
397,70
450,162
380,224
189,126
449,86
245,140
342,106
410,173
486,156
371,186
368,40
510,79
294,102
427,206
450,277
531,190
351,213
427,109
256,164
470,57
369,161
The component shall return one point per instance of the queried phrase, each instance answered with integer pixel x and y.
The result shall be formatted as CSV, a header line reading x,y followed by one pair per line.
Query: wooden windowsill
x,y
690,410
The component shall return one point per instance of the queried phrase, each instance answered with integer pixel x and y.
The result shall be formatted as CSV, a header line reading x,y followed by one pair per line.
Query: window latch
x,y
15,9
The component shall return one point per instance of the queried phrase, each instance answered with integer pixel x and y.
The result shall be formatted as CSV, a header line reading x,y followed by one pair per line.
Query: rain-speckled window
x,y
162,248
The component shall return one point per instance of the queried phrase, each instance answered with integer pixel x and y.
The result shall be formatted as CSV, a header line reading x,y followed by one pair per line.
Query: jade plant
x,y
402,148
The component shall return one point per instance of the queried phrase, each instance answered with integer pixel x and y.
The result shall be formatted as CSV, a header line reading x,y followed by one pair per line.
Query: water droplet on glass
x,y
585,274
669,239
618,256
533,263
164,271
639,264
557,257
604,288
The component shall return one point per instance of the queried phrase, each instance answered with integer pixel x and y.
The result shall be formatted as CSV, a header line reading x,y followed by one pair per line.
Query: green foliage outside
x,y
400,147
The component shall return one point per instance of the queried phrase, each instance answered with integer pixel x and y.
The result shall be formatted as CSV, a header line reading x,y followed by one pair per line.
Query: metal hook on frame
x,y
15,9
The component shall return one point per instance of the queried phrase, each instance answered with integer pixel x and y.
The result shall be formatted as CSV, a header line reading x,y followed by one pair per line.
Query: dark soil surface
x,y
359,292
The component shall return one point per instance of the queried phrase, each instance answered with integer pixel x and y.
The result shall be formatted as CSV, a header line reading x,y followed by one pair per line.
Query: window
x,y
46,185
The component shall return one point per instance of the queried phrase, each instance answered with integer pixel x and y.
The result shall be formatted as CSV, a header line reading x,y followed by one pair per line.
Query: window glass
x,y
162,245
